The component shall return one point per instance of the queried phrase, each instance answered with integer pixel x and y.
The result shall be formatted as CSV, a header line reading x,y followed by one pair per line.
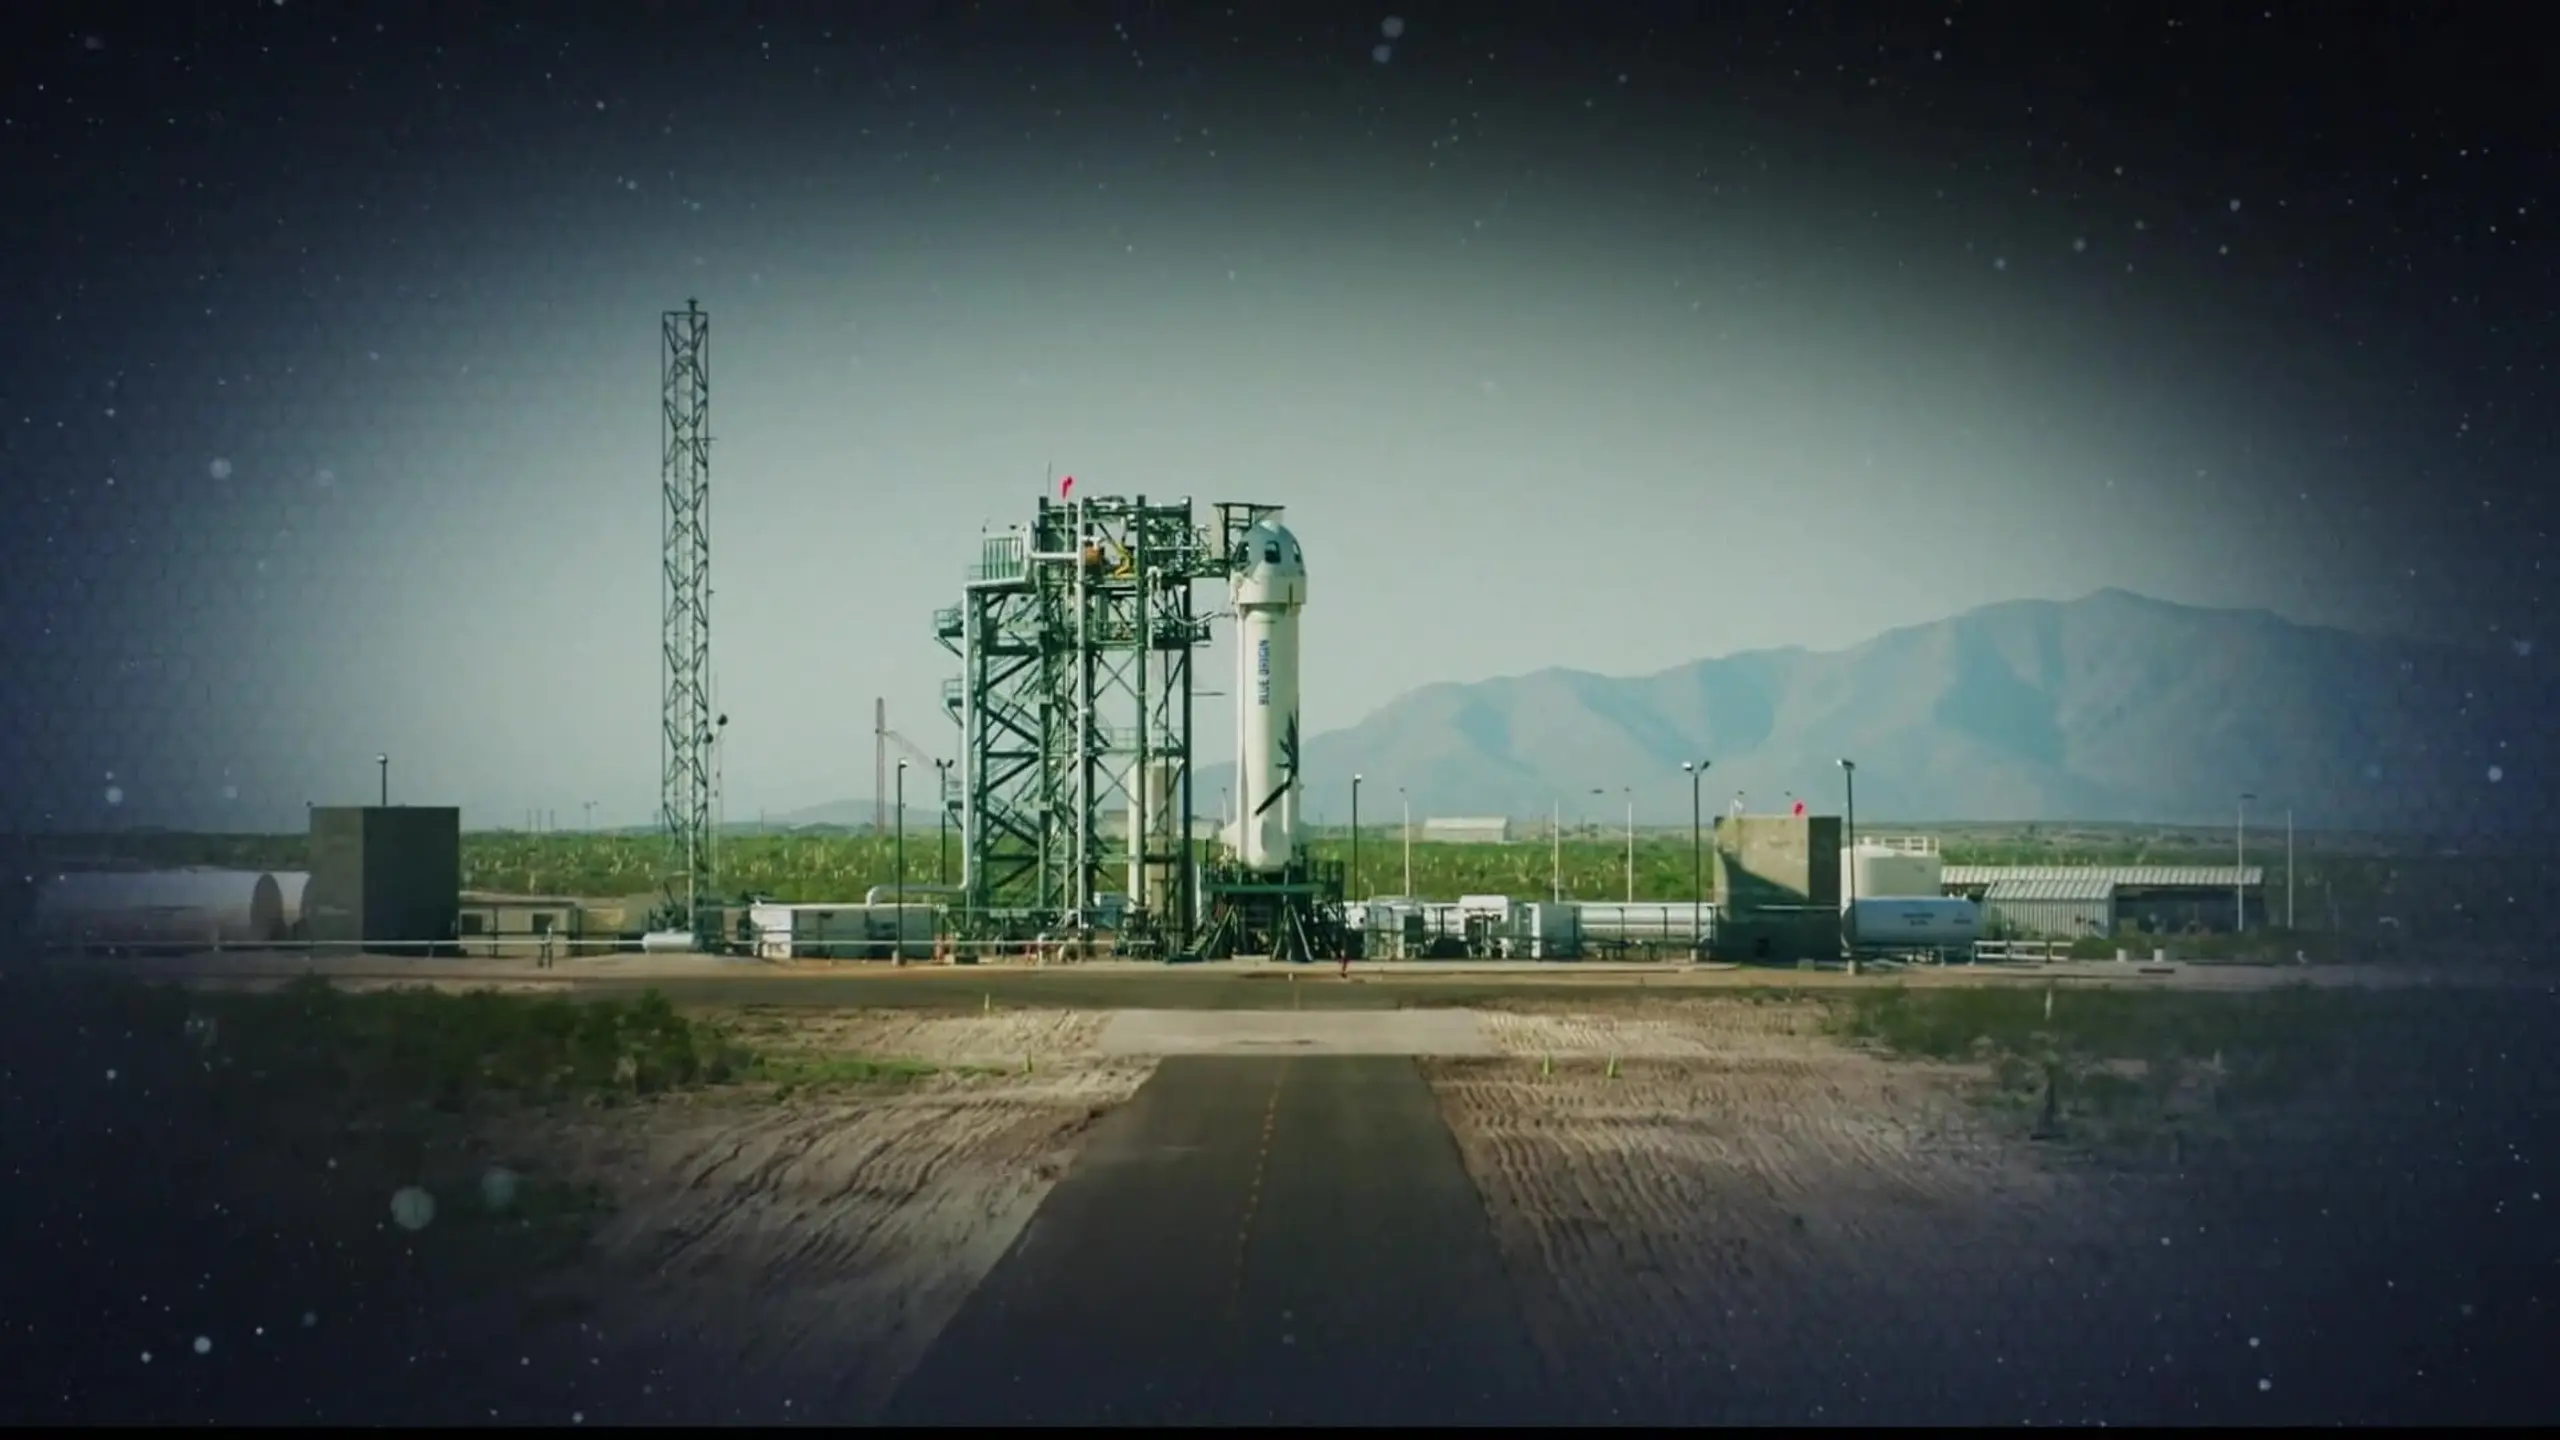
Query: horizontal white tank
x,y
290,885
1667,921
1889,873
160,907
1926,922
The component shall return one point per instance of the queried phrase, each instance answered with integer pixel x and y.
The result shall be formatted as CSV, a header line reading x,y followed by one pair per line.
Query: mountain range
x,y
2114,707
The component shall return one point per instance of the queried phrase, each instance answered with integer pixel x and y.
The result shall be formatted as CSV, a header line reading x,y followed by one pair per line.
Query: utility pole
x,y
1406,801
1849,913
1697,856
1630,792
2240,867
942,823
1355,837
1555,855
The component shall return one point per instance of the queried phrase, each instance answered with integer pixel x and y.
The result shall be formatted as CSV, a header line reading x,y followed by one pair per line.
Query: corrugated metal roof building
x,y
2125,877
2055,909
2154,899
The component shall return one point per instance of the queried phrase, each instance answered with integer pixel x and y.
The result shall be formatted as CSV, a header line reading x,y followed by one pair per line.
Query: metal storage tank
x,y
1917,922
290,885
1891,869
160,908
1155,792
1647,922
2060,908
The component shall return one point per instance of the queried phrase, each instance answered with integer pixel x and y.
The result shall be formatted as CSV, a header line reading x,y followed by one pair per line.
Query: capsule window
x,y
1270,554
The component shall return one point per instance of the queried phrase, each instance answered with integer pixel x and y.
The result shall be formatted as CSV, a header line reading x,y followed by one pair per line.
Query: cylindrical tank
x,y
290,885
160,907
1155,795
1270,586
1657,922
1888,873
1926,922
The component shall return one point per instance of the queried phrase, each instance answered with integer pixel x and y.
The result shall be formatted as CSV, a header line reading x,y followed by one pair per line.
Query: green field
x,y
2340,886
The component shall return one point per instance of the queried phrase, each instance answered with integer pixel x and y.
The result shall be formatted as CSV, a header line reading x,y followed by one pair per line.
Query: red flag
x,y
1065,486
1799,807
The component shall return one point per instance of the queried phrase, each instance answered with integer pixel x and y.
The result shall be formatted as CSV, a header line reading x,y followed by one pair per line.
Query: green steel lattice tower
x,y
1076,635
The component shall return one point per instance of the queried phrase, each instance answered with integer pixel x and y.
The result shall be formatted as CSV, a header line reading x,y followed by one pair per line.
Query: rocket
x,y
1269,583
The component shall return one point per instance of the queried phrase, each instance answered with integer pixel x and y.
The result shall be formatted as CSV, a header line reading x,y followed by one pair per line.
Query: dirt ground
x,y
1716,1211
788,1253
805,1251
752,1252
997,1037
1750,1223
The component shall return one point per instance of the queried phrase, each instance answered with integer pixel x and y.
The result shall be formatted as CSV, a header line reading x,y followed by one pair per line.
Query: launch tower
x,y
1076,636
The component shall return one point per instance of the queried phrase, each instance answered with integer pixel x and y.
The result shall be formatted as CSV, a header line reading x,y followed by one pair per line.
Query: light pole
x,y
1407,802
1630,792
1555,849
591,814
942,823
898,861
2288,870
2240,866
1849,912
1355,836
383,764
719,728
1697,772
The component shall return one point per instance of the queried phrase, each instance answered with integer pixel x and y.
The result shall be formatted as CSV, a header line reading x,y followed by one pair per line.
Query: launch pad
x,y
1292,915
1074,802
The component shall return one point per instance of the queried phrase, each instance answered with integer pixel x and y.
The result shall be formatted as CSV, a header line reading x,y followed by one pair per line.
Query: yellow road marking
x,y
1253,1199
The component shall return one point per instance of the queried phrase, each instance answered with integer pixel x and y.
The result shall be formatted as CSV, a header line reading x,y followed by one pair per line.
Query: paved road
x,y
1247,1241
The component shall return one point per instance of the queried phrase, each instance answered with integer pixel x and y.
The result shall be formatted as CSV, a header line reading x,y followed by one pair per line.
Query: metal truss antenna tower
x,y
685,742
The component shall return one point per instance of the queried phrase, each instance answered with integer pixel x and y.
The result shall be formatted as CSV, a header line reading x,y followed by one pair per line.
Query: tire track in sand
x,y
811,1251
1716,1237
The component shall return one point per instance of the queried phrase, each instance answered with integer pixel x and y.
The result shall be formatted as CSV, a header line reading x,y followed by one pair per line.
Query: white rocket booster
x,y
1270,585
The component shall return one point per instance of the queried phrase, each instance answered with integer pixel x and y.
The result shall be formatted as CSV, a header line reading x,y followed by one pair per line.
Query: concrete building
x,y
519,926
1777,888
385,876
1777,860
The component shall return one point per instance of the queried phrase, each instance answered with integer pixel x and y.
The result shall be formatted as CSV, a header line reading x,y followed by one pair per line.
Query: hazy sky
x,y
334,405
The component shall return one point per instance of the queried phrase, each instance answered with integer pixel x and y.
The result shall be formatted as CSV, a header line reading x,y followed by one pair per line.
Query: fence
x,y
542,949
2020,952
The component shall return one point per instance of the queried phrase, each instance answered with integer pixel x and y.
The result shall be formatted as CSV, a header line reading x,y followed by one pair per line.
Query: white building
x,y
1467,830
